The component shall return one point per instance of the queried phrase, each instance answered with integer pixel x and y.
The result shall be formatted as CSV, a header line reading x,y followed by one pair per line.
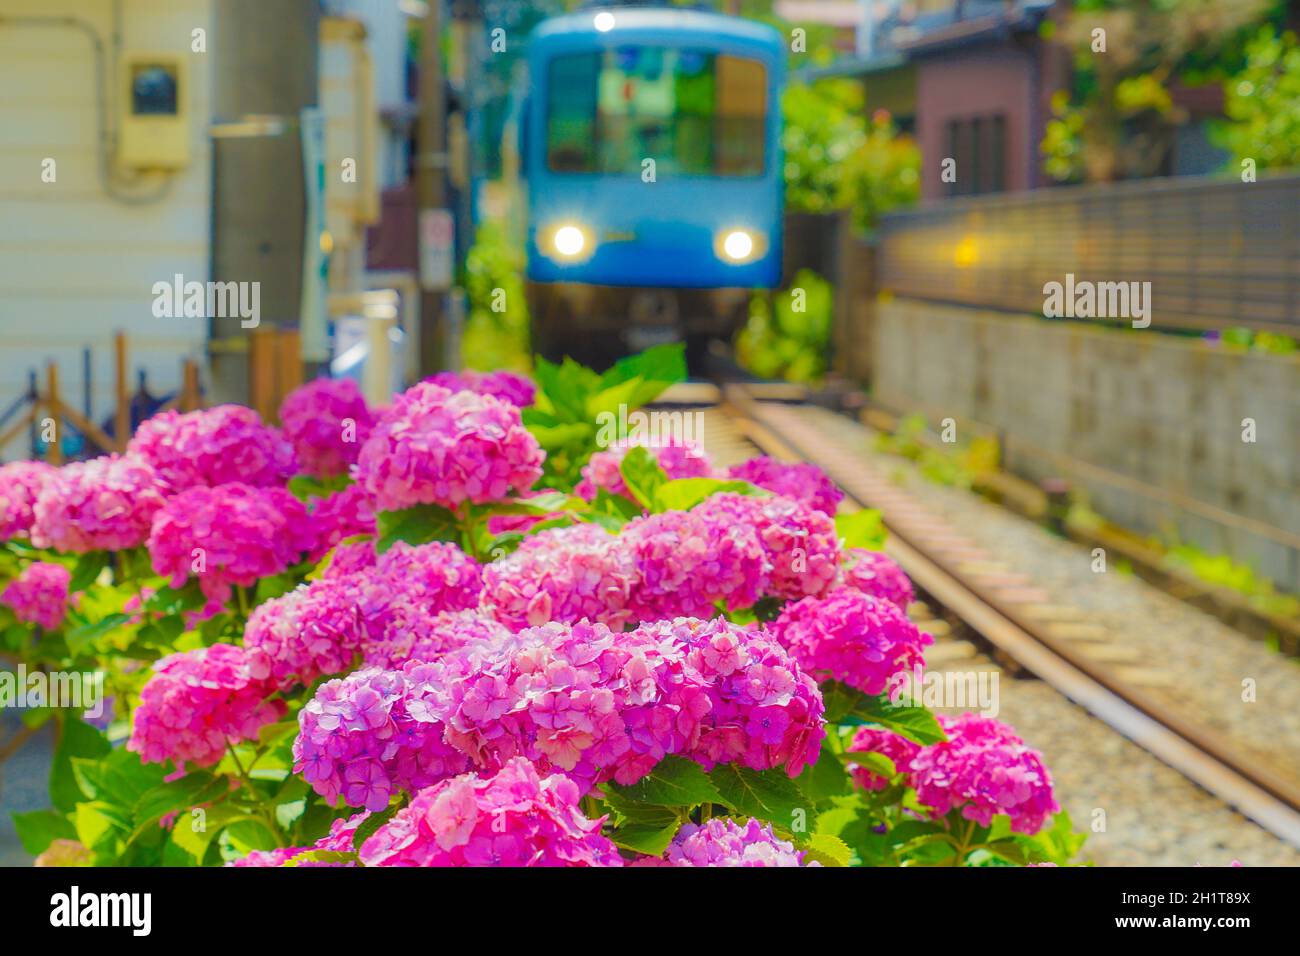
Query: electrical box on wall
x,y
153,121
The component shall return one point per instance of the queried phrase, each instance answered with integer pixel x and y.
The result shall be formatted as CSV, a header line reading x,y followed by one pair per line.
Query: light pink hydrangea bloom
x,y
214,446
20,483
676,459
39,595
327,421
724,842
196,703
878,575
874,740
851,637
311,632
514,817
338,516
439,447
103,504
338,840
507,386
801,481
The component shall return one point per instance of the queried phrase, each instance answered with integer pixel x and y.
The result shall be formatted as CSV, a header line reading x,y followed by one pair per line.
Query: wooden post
x,y
190,391
54,450
289,362
261,371
122,396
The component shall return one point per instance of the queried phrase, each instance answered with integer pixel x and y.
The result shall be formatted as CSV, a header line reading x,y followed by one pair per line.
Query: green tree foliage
x,y
1262,102
787,334
496,329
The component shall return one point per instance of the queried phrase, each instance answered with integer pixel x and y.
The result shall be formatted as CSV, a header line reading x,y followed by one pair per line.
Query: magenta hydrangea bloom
x,y
851,637
327,421
984,769
311,632
676,459
878,575
420,635
561,574
513,818
20,483
350,560
724,842
439,447
338,840
374,732
801,481
227,535
874,740
507,386
214,446
103,504
802,546
39,595
437,574
338,516
686,563
198,701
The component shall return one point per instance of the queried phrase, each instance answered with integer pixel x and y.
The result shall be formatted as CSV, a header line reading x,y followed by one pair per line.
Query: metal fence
x,y
1218,253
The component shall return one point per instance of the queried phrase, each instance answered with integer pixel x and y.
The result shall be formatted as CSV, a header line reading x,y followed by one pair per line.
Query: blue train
x,y
651,152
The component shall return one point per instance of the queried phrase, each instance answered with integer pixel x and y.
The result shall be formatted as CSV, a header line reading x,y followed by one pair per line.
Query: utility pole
x,y
431,183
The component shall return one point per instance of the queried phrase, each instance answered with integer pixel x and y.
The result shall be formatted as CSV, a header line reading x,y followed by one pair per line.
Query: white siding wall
x,y
76,265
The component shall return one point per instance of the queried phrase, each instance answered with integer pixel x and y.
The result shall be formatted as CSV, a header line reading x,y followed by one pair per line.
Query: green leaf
x,y
76,739
642,475
824,779
305,487
320,856
647,373
674,782
99,824
38,829
642,838
87,570
417,525
683,494
863,528
767,795
80,639
826,849
373,822
538,505
915,723
169,600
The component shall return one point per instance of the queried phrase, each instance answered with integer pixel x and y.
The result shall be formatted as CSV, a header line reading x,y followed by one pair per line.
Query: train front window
x,y
694,112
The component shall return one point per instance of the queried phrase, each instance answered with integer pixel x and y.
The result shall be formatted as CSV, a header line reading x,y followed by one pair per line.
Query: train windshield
x,y
695,112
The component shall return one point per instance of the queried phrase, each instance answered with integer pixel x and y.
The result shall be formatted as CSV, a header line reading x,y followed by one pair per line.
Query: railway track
x,y
1000,611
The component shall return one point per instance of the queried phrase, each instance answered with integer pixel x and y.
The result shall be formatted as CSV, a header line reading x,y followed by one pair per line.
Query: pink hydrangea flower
x,y
561,574
39,595
439,447
802,547
851,637
877,575
506,386
198,701
428,637
676,459
338,840
341,515
350,560
724,842
214,446
513,818
327,421
228,535
308,633
103,504
805,483
984,769
686,563
896,747
437,574
20,483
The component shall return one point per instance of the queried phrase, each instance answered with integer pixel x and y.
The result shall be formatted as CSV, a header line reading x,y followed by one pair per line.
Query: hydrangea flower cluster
x,y
434,446
102,504
686,563
984,769
366,735
198,701
804,482
513,818
350,560
438,575
20,483
896,747
676,459
506,386
39,595
326,420
338,840
561,574
308,633
214,446
428,637
851,637
340,515
724,842
228,534
802,547
878,575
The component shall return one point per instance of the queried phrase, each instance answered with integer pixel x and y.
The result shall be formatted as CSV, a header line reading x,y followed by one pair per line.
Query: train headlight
x,y
738,245
568,241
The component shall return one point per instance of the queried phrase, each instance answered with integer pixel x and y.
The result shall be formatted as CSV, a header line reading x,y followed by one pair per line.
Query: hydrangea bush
x,y
465,630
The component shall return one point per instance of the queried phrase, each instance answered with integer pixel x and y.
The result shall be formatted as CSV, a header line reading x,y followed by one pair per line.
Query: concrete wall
x,y
77,264
1144,406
